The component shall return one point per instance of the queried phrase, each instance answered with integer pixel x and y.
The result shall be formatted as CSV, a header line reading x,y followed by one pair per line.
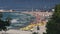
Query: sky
x,y
28,4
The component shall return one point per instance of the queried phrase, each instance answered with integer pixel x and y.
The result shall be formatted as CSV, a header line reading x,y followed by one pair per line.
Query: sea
x,y
18,20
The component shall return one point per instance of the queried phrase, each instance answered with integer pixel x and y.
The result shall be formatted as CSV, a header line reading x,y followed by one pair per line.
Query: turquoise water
x,y
21,20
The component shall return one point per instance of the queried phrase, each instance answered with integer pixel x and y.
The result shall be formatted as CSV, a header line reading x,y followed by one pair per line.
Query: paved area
x,y
42,29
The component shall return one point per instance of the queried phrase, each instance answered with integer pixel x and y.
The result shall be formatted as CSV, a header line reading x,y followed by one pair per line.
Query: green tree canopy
x,y
53,25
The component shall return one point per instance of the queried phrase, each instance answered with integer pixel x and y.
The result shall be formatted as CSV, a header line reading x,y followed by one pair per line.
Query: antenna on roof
x,y
45,7
32,9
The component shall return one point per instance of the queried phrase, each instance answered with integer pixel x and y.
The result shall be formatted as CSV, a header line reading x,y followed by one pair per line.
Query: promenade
x,y
42,29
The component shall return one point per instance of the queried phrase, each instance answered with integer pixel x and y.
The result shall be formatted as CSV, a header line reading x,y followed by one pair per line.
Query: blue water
x,y
22,19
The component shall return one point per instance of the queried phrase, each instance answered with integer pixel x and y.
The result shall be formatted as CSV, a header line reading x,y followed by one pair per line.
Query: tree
x,y
1,15
53,25
3,23
35,33
8,21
